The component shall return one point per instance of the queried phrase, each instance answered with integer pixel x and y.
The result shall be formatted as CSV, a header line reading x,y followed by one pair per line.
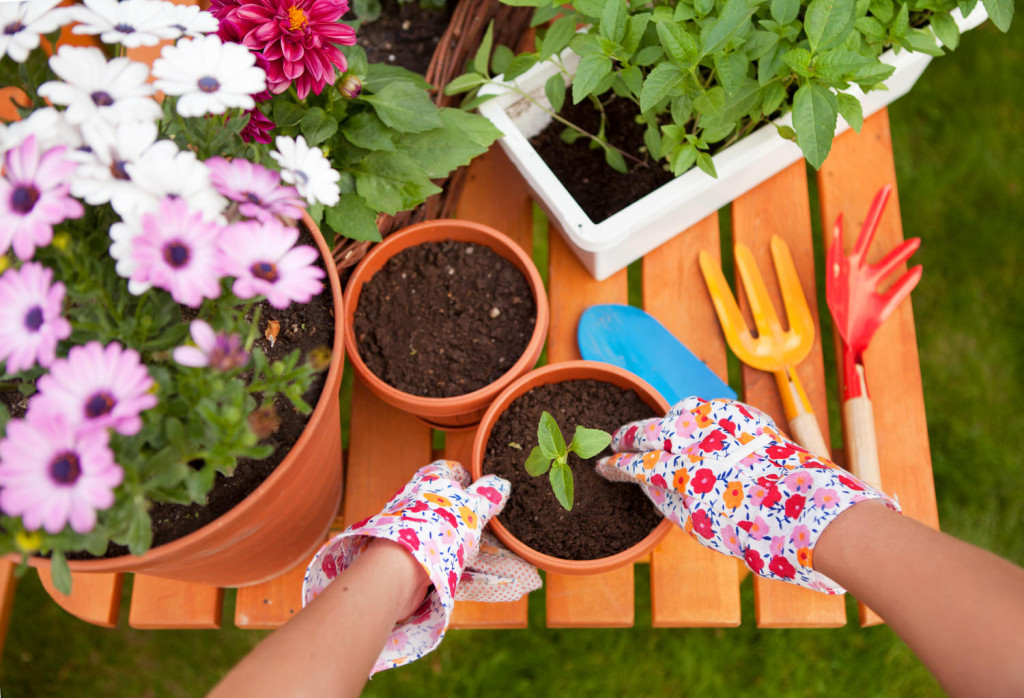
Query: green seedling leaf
x,y
464,83
678,44
659,84
717,33
635,28
785,11
587,443
815,110
591,71
705,163
537,463
827,22
519,65
615,160
503,55
613,20
1001,13
352,218
549,436
60,573
947,31
561,481
483,53
405,107
557,37
851,110
554,90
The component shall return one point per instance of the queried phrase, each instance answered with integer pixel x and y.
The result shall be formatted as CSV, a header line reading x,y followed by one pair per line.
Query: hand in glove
x,y
724,472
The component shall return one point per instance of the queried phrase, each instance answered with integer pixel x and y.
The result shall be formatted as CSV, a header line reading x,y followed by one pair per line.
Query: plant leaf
x,y
717,33
615,160
557,37
554,90
561,480
785,11
405,107
705,163
827,22
815,111
587,443
483,52
732,68
591,71
464,83
678,44
945,28
519,65
367,131
613,20
352,218
850,109
1001,13
537,463
659,84
140,530
549,436
636,25
60,573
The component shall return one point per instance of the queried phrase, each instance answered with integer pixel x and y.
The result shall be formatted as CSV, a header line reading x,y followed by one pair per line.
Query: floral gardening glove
x,y
724,472
438,517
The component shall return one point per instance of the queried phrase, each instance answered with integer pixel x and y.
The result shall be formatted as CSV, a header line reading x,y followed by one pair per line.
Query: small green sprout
x,y
552,456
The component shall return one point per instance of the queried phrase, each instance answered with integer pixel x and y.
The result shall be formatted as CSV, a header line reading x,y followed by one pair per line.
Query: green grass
x,y
959,143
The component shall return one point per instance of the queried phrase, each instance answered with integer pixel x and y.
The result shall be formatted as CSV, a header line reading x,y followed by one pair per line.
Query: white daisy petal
x,y
208,76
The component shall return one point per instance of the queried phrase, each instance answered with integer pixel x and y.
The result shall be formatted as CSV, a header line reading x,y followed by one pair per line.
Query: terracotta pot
x,y
559,373
280,524
461,410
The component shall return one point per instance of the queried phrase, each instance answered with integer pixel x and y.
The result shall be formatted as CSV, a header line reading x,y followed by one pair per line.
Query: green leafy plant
x,y
705,73
551,455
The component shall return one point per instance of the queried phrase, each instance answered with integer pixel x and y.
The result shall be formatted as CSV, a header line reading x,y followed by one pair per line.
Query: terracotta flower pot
x,y
559,373
461,410
283,521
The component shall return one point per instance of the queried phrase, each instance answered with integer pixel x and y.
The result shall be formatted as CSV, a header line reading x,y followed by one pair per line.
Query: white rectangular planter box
x,y
606,247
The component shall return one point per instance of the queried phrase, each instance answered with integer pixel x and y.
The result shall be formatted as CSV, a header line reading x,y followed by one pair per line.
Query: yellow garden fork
x,y
773,349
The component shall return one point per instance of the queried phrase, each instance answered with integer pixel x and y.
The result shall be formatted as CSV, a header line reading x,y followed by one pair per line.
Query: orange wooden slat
x,y
604,600
270,604
8,585
859,165
168,603
494,194
691,586
781,206
94,598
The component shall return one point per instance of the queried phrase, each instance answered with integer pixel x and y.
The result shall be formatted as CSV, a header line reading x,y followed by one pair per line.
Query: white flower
x,y
95,89
189,20
50,129
209,76
21,23
164,171
131,23
102,174
122,240
307,169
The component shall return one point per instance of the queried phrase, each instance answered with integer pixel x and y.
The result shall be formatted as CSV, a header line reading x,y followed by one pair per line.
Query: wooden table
x,y
673,291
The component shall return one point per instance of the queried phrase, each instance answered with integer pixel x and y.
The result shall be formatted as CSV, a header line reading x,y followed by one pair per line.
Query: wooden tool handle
x,y
806,432
861,446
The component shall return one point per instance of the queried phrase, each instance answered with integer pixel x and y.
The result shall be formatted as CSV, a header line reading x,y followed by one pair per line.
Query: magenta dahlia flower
x,y
299,39
97,387
31,323
52,474
265,261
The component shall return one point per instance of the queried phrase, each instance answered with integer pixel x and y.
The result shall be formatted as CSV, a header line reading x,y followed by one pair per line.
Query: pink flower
x,y
753,560
30,319
177,251
447,516
731,540
97,388
826,498
34,197
801,536
776,545
490,494
298,38
453,580
257,190
52,474
329,565
397,641
264,260
221,352
799,482
757,529
258,128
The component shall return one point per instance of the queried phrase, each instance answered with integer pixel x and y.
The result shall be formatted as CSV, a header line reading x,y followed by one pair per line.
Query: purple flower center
x,y
265,270
176,254
34,319
227,353
24,198
14,27
253,198
118,170
99,404
65,468
208,84
101,98
124,28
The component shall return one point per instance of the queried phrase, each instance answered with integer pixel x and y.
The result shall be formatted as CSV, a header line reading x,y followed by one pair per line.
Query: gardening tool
x,y
858,309
773,349
632,339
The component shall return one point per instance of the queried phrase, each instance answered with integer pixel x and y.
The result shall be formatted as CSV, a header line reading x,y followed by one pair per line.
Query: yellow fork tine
x,y
765,319
798,313
734,327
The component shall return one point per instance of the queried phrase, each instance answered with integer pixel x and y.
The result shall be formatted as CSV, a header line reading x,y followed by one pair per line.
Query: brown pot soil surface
x,y
442,319
600,190
404,35
606,518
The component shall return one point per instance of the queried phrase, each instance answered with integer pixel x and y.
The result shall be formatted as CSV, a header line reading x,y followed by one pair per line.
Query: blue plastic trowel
x,y
632,339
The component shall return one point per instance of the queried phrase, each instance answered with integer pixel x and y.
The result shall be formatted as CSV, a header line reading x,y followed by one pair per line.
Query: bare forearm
x,y
960,608
330,647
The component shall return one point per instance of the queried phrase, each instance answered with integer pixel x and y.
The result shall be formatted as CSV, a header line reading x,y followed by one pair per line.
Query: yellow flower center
x,y
296,17
28,542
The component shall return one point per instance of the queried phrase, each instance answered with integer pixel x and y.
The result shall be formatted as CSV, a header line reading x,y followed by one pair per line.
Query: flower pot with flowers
x,y
165,324
706,98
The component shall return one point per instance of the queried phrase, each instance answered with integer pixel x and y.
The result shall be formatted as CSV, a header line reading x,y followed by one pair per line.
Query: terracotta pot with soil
x,y
610,524
285,519
442,316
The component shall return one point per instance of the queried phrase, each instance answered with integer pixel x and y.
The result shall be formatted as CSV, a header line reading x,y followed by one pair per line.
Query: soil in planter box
x,y
600,190
606,517
444,318
405,34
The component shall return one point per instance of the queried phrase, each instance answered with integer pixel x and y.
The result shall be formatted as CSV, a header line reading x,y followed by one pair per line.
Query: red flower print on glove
x,y
740,487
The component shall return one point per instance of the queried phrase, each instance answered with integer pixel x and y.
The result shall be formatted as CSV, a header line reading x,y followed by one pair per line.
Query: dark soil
x,y
600,190
606,517
303,327
444,318
404,35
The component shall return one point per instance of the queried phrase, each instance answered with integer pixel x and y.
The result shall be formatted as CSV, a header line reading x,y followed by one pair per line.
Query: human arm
x,y
330,647
958,607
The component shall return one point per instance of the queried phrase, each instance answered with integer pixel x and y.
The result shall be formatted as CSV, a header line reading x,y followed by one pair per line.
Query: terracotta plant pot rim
x,y
176,547
558,373
429,409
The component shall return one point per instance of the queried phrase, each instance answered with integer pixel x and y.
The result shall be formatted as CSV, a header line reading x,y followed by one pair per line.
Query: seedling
x,y
552,455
